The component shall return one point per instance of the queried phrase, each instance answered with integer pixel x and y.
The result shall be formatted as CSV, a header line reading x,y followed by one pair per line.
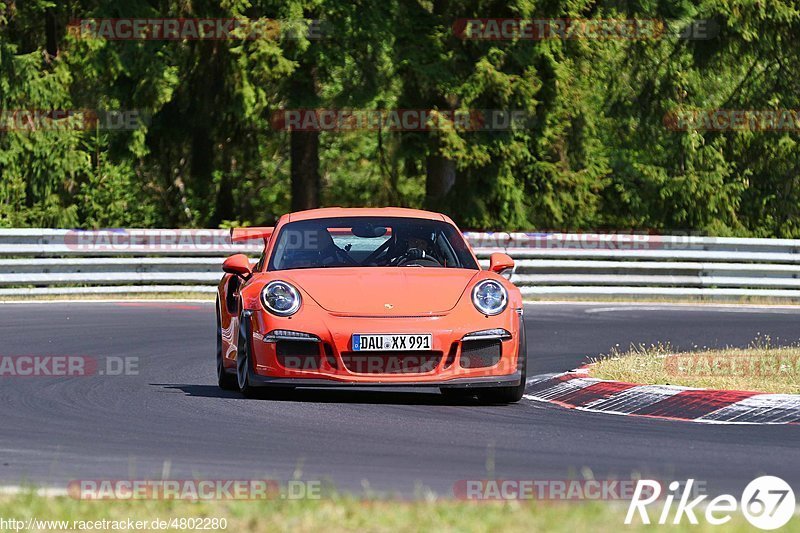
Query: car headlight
x,y
490,297
280,298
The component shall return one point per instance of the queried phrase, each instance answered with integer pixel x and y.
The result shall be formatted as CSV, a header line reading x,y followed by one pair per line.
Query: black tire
x,y
244,366
243,363
225,380
510,394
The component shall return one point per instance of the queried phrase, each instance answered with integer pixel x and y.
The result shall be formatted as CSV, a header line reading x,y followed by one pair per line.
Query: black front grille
x,y
451,356
329,356
391,362
480,353
298,355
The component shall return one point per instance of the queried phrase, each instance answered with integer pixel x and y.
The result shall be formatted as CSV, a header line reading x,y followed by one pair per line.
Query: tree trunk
x,y
224,206
51,37
304,151
439,180
304,145
202,172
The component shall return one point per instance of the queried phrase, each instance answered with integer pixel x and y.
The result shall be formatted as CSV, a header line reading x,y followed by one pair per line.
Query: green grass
x,y
760,367
348,513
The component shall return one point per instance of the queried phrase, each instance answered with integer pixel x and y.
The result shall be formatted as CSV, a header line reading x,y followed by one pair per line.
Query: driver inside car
x,y
415,249
313,247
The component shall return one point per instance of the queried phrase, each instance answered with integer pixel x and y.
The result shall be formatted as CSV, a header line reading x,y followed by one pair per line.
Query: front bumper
x,y
447,366
511,380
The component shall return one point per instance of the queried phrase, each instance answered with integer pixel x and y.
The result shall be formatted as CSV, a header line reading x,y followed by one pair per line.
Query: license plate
x,y
387,342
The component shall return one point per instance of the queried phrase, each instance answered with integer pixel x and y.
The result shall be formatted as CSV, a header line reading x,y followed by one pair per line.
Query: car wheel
x,y
510,394
243,358
504,394
225,380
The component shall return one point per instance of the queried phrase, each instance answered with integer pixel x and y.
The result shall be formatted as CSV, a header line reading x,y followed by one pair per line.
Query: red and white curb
x,y
576,390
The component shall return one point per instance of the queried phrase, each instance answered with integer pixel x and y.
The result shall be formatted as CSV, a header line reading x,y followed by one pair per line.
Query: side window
x,y
231,296
445,250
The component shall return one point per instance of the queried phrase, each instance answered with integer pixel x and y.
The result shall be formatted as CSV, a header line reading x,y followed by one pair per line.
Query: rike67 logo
x,y
767,502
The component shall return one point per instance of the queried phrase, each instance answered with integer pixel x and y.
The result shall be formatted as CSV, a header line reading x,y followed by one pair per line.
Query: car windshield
x,y
370,242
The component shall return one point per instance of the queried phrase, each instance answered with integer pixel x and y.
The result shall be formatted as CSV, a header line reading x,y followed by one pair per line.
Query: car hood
x,y
384,291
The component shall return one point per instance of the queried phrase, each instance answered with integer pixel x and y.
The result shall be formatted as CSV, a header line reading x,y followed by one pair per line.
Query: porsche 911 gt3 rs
x,y
370,297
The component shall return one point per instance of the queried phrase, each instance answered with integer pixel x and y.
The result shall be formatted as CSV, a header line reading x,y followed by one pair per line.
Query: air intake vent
x,y
298,355
480,353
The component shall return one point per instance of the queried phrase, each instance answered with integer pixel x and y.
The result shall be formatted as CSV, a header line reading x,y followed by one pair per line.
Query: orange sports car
x,y
370,297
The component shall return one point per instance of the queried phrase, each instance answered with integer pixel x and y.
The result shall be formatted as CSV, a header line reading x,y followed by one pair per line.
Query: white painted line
x,y
650,306
108,300
565,387
717,309
541,377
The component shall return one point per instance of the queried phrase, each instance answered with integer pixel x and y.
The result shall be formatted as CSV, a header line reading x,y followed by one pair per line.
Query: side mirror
x,y
238,265
502,264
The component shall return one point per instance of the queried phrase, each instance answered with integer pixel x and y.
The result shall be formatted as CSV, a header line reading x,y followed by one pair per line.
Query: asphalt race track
x,y
171,419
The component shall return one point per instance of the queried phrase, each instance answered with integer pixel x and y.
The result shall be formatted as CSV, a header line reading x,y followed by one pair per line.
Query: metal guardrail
x,y
51,262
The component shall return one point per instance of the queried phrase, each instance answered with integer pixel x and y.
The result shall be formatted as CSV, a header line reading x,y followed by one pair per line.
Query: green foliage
x,y
595,151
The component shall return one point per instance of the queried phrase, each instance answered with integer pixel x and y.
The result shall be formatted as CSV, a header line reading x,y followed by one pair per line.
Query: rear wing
x,y
247,234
